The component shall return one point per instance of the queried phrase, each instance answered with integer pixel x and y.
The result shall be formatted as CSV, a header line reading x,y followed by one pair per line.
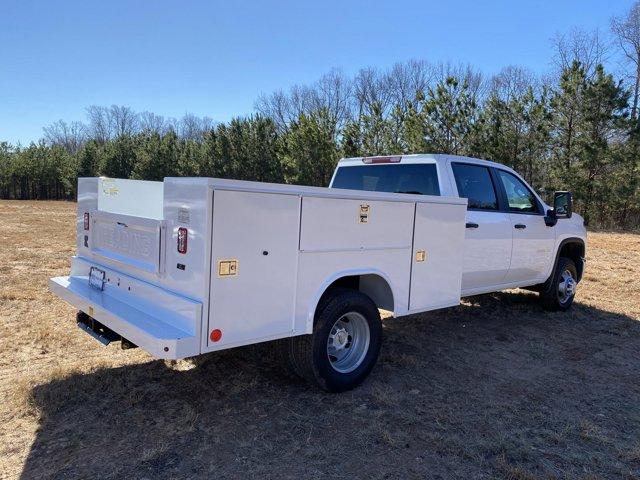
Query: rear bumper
x,y
151,328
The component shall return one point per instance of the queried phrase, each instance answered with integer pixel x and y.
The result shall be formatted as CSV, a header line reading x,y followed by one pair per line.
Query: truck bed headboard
x,y
138,198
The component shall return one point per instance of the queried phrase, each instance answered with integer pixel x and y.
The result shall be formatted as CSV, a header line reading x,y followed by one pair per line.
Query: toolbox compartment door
x,y
436,264
255,258
132,243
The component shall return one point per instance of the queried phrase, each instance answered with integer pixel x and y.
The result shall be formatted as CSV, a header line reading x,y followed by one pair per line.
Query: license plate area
x,y
96,278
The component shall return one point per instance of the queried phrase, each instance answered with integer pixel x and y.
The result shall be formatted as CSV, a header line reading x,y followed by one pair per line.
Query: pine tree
x,y
310,151
566,104
450,112
351,144
263,150
89,159
119,158
603,112
514,132
374,131
414,127
156,157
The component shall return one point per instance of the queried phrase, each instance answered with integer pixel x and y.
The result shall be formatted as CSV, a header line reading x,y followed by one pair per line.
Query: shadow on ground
x,y
497,388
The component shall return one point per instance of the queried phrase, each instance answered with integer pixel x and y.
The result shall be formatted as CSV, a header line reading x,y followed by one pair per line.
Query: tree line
x,y
575,128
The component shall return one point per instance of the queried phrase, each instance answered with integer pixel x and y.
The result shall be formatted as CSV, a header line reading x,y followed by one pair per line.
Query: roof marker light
x,y
370,160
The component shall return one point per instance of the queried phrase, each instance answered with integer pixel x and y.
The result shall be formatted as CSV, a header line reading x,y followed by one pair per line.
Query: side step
x,y
101,333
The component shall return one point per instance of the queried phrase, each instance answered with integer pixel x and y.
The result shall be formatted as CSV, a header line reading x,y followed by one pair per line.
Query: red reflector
x,y
216,335
183,235
382,159
86,220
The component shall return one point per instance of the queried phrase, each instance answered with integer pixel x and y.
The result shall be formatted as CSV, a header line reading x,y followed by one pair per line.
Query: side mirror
x,y
562,204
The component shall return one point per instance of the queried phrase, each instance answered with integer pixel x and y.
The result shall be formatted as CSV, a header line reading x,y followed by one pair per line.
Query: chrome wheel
x,y
348,342
566,286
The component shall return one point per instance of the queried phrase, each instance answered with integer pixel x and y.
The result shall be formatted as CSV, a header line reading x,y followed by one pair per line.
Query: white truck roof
x,y
424,158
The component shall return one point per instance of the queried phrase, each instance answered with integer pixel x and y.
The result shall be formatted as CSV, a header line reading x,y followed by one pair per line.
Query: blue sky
x,y
214,58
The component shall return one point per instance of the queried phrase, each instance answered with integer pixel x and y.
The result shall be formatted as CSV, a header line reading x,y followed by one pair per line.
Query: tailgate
x,y
133,242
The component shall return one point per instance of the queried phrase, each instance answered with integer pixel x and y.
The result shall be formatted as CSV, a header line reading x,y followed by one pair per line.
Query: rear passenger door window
x,y
475,184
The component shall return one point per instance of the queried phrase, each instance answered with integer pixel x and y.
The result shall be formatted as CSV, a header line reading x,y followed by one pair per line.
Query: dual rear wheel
x,y
345,343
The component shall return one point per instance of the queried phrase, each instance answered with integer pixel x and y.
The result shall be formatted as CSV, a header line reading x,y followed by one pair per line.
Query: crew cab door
x,y
488,233
533,240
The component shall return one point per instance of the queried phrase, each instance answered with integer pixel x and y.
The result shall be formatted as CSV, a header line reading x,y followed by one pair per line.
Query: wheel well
x,y
575,251
371,284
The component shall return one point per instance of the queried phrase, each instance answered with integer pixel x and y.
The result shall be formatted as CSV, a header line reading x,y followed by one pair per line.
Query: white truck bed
x,y
259,257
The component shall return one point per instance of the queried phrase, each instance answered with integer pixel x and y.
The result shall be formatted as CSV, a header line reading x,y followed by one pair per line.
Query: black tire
x,y
553,298
308,355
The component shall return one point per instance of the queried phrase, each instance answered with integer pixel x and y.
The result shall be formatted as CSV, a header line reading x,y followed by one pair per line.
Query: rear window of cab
x,y
413,178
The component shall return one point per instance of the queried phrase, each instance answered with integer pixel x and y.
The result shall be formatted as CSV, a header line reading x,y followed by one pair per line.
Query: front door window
x,y
519,197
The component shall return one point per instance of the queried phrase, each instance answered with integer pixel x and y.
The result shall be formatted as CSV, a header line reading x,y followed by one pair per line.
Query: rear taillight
x,y
395,159
183,235
86,220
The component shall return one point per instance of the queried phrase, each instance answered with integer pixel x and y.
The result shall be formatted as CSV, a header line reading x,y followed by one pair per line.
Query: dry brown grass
x,y
496,388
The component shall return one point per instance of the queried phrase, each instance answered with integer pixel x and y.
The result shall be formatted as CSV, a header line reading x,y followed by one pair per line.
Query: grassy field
x,y
495,388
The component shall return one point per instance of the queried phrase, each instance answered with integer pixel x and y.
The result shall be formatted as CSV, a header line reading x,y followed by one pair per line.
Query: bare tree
x,y
150,122
464,73
300,101
71,136
106,123
189,127
332,93
405,80
284,108
586,47
99,124
627,31
207,124
123,120
276,106
370,91
172,124
513,82
192,127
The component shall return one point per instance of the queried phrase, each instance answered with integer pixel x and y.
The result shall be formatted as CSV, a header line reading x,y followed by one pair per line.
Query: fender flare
x,y
547,284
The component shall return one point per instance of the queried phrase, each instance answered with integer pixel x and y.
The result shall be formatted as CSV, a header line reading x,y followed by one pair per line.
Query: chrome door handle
x,y
520,225
472,225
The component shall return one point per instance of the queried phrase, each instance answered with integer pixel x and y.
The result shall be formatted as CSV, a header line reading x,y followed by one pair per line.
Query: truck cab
x,y
512,237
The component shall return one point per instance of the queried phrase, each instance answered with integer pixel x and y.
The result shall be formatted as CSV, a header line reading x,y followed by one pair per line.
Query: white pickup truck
x,y
194,265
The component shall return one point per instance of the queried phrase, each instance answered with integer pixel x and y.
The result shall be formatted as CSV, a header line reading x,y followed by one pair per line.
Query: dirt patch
x,y
495,388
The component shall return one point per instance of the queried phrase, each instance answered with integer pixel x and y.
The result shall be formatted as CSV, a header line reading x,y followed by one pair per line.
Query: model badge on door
x,y
364,213
421,256
227,268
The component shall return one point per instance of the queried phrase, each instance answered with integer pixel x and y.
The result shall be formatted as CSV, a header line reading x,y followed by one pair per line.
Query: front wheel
x,y
560,294
345,343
